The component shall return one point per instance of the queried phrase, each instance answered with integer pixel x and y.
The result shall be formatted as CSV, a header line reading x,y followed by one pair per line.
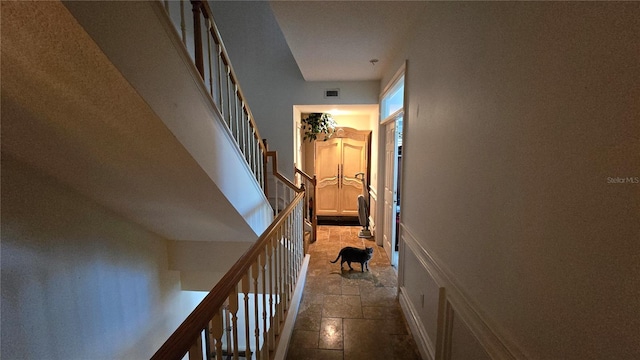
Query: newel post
x,y
197,36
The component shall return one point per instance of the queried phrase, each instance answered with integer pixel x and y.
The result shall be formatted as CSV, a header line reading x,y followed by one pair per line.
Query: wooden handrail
x,y
274,166
306,176
178,344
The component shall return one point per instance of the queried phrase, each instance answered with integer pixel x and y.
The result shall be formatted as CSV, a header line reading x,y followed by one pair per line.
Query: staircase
x,y
118,103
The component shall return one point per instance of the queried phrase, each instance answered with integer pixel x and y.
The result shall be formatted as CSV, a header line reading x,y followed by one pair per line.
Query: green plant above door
x,y
318,123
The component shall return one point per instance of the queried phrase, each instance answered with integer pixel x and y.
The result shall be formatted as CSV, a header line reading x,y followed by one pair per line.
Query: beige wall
x,y
78,281
518,116
358,122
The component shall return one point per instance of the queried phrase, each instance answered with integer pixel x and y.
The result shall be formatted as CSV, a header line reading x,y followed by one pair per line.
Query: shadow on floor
x,y
349,314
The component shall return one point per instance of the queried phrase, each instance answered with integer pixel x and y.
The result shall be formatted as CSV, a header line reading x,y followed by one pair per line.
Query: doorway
x,y
392,164
391,125
359,120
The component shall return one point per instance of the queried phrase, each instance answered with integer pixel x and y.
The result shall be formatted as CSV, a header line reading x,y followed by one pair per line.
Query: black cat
x,y
350,254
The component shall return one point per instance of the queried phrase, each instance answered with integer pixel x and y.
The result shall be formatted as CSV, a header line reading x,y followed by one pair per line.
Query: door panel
x,y
389,193
327,169
351,188
354,160
338,160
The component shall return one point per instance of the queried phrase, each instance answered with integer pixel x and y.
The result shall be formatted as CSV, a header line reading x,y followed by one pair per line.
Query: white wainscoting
x,y
444,322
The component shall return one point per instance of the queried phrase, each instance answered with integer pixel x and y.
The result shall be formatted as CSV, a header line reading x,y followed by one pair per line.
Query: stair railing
x,y
309,184
244,313
280,189
246,310
202,39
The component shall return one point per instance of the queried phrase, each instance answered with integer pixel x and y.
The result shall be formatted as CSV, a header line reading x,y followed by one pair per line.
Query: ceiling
x,y
336,40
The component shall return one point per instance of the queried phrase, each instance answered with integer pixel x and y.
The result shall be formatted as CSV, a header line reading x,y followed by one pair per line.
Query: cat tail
x,y
336,260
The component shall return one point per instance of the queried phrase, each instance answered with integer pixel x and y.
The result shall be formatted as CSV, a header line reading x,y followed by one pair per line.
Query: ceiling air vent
x,y
332,93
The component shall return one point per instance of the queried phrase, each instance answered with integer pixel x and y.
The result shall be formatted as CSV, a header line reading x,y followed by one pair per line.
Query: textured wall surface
x,y
519,115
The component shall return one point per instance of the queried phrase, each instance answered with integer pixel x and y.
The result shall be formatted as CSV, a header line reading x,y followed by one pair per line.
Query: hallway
x,y
349,315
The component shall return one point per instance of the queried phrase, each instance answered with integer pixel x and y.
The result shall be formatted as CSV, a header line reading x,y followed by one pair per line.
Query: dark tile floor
x,y
349,314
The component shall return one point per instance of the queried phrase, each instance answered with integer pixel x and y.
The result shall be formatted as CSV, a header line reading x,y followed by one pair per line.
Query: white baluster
x,y
278,272
272,325
254,273
265,338
183,25
234,104
246,289
209,56
289,258
220,64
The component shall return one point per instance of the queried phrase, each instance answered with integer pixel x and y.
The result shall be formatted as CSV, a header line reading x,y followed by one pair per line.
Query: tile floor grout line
x,y
374,314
